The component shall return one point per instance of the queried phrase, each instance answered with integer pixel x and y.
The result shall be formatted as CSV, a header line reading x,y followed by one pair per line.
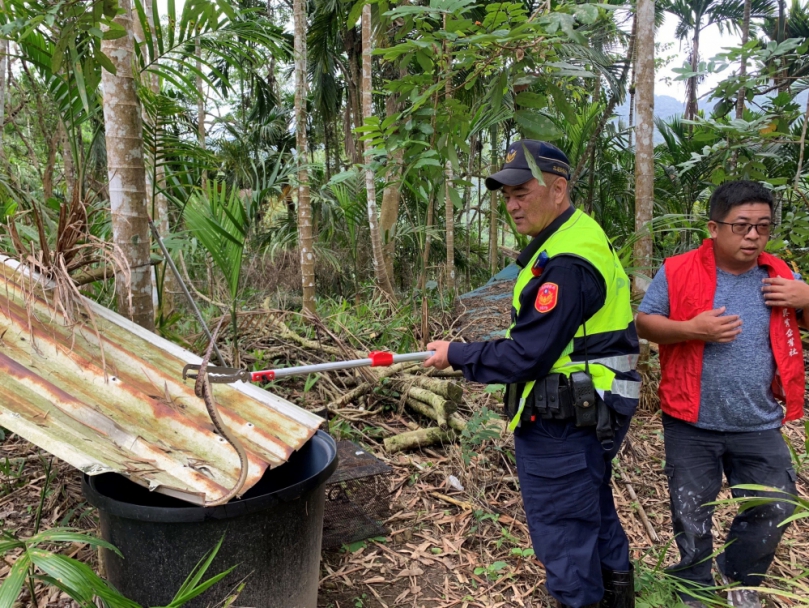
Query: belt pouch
x,y
605,429
584,399
511,400
552,396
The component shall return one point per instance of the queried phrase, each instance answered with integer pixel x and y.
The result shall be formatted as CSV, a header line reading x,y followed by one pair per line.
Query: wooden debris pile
x,y
356,395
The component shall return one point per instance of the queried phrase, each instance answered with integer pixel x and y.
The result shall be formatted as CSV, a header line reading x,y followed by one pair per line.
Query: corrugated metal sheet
x,y
133,415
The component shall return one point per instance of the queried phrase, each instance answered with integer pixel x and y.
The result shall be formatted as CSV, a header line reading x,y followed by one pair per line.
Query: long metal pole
x,y
187,293
337,365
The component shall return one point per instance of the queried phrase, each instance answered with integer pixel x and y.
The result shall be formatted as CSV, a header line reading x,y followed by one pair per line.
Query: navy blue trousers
x,y
565,482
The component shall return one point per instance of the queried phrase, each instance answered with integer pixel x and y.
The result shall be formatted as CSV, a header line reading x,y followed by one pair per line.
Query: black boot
x,y
619,589
559,604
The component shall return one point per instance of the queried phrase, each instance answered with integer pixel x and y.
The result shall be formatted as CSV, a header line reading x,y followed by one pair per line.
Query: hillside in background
x,y
667,106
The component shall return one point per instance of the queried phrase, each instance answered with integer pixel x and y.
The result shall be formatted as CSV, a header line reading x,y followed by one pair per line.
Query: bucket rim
x,y
195,513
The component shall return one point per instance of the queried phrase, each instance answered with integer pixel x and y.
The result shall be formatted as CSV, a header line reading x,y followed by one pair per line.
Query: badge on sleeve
x,y
546,298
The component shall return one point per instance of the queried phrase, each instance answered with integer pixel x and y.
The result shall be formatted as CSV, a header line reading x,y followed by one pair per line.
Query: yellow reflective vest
x,y
611,341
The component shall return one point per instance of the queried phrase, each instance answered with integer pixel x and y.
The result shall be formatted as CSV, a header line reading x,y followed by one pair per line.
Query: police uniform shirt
x,y
537,338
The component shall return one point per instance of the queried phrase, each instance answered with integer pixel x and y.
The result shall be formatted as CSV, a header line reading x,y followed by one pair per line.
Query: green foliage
x,y
655,587
493,571
71,576
800,460
76,579
479,430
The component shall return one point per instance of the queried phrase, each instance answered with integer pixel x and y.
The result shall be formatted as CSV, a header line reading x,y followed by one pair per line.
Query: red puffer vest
x,y
692,285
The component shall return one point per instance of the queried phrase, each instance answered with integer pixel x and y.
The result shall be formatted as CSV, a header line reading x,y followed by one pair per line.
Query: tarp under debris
x,y
485,313
132,413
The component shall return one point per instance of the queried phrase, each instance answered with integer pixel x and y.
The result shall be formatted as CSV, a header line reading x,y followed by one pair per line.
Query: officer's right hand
x,y
711,326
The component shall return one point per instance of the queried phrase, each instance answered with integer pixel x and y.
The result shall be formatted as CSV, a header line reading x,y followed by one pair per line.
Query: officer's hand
x,y
782,292
711,326
439,360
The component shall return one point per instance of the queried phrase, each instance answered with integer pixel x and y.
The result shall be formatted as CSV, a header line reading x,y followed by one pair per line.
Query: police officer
x,y
569,361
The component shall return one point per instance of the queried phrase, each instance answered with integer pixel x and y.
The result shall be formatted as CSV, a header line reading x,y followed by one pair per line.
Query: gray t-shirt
x,y
736,393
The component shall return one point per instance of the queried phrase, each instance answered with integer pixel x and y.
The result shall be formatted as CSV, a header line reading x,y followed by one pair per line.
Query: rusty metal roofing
x,y
133,414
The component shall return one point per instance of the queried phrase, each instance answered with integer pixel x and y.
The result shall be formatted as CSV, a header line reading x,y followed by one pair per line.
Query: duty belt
x,y
551,398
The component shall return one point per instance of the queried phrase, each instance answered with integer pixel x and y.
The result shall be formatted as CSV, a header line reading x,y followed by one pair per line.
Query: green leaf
x,y
116,31
10,589
537,126
529,158
457,203
586,13
105,62
191,587
67,535
527,99
425,61
354,14
562,104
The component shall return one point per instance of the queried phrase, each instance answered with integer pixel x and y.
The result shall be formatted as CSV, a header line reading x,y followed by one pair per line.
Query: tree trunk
x,y
802,147
382,279
692,106
353,105
127,174
743,67
67,161
644,149
200,106
52,146
633,58
449,209
305,236
493,253
391,197
782,79
155,175
3,70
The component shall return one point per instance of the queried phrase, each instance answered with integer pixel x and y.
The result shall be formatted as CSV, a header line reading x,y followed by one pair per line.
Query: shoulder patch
x,y
547,297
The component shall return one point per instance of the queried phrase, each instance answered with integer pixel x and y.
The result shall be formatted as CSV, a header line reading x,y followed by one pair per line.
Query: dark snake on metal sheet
x,y
203,390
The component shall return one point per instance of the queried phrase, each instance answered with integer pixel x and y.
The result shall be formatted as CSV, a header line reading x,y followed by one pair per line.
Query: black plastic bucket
x,y
272,535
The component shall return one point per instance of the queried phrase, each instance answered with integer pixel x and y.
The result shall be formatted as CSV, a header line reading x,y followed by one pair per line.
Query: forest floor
x,y
456,532
444,547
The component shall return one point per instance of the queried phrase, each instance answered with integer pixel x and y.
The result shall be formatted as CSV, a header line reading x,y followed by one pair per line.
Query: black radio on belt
x,y
584,398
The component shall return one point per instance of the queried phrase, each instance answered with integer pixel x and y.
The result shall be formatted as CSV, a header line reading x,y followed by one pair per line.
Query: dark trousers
x,y
695,461
565,482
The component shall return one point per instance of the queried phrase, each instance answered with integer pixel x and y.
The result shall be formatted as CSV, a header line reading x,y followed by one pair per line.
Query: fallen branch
x,y
453,501
455,421
448,390
417,439
650,531
443,409
366,387
104,271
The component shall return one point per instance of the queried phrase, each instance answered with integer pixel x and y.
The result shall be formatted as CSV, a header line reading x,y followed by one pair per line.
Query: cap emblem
x,y
512,154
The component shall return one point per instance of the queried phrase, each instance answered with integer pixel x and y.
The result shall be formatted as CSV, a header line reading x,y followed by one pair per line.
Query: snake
x,y
203,390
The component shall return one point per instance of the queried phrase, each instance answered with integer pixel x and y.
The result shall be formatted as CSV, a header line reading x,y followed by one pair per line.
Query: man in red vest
x,y
725,318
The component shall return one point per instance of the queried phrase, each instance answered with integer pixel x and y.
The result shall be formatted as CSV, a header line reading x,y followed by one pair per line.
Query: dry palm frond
x,y
48,273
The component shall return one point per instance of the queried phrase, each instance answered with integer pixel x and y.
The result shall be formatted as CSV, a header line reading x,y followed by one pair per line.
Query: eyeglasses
x,y
743,228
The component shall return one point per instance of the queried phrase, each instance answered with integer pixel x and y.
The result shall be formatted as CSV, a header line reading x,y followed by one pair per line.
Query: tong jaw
x,y
217,374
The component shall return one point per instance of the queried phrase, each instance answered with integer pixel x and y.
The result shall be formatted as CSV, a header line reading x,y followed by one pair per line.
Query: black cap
x,y
515,171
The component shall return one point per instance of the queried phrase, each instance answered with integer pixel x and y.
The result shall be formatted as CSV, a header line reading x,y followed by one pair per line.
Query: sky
x,y
711,42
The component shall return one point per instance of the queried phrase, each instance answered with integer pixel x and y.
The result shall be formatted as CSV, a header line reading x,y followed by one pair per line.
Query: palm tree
x,y
127,174
694,16
644,149
3,70
304,203
382,279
